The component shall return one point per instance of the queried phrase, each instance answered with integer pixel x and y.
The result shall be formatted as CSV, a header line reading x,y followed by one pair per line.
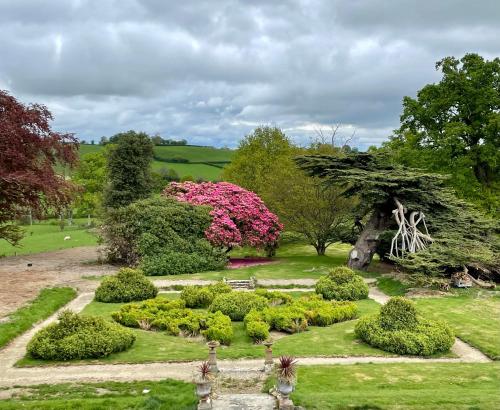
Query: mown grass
x,y
46,236
398,386
47,302
165,394
392,287
475,318
293,261
332,341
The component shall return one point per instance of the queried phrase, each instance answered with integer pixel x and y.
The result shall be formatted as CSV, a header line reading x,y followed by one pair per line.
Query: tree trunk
x,y
320,248
362,253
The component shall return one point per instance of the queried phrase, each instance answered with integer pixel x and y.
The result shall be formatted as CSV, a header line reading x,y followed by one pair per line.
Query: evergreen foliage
x,y
462,236
128,169
126,286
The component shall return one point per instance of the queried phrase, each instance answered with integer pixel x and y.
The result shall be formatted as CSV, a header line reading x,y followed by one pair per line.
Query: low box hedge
x,y
126,286
342,283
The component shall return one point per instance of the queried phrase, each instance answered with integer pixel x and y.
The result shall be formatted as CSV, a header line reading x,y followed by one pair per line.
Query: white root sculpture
x,y
408,238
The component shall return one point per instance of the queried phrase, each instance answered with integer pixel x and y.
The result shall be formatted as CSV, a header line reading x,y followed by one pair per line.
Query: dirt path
x,y
21,283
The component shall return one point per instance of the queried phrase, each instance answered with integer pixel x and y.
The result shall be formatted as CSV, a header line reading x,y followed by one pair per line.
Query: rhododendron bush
x,y
239,216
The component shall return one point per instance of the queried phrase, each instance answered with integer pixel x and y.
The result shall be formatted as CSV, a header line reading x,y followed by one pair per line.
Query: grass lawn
x,y
392,287
293,261
335,340
46,236
476,320
399,386
165,394
47,302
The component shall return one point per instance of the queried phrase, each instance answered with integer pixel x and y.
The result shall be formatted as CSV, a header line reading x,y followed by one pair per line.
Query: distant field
x,y
205,162
45,236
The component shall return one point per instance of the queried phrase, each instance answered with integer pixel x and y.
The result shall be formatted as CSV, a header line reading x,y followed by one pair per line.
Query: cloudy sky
x,y
210,71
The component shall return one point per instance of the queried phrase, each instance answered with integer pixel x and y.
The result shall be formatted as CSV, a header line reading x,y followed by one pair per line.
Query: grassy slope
x,y
45,236
192,153
475,320
165,394
399,386
47,302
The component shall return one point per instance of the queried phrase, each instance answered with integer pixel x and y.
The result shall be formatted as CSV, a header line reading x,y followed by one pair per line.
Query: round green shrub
x,y
237,304
275,297
342,283
408,334
79,337
289,319
257,330
126,286
142,313
398,313
202,296
219,328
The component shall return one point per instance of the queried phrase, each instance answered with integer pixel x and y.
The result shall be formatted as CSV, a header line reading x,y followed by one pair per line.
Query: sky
x,y
211,71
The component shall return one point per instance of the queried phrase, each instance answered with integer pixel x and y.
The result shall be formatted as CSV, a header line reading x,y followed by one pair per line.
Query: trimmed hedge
x,y
126,286
172,317
398,329
297,316
342,283
237,304
202,296
79,337
275,297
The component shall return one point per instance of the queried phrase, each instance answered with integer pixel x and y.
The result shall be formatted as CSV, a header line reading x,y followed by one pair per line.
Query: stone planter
x,y
203,390
285,387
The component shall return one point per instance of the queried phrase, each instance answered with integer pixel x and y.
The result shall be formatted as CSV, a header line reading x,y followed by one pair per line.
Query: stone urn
x,y
203,389
285,387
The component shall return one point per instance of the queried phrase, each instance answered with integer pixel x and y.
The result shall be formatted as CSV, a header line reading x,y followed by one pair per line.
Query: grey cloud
x,y
211,71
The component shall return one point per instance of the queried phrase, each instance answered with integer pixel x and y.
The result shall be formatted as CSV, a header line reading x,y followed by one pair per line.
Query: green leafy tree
x,y
128,169
453,126
461,236
91,176
258,156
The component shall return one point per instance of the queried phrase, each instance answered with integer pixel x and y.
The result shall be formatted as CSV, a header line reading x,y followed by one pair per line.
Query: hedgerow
x,y
398,329
79,337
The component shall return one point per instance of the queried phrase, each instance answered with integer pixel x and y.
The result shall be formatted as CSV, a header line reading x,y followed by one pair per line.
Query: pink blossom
x,y
239,216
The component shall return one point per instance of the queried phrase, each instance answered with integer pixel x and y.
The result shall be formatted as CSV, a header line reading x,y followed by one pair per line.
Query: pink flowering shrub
x,y
239,216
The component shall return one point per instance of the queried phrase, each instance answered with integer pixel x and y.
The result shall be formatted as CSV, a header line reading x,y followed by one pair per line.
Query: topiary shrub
x,y
172,317
258,330
237,304
398,313
126,286
325,313
342,283
275,297
398,329
219,328
202,296
79,337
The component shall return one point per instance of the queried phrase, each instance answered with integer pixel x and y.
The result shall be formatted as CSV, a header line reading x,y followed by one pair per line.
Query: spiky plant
x,y
204,371
286,368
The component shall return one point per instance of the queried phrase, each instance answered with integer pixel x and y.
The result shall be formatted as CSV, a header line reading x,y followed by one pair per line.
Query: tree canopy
x,y
128,169
461,235
453,126
29,153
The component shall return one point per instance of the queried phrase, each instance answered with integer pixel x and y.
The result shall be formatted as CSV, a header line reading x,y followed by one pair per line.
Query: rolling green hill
x,y
204,162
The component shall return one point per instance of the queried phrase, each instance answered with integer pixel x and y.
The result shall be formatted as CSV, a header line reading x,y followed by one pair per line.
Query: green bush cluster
x,y
237,304
202,296
79,337
297,316
173,317
275,297
342,283
398,329
162,236
219,328
126,286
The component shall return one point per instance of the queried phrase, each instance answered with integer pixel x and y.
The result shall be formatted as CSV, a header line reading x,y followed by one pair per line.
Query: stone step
x,y
240,284
248,401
